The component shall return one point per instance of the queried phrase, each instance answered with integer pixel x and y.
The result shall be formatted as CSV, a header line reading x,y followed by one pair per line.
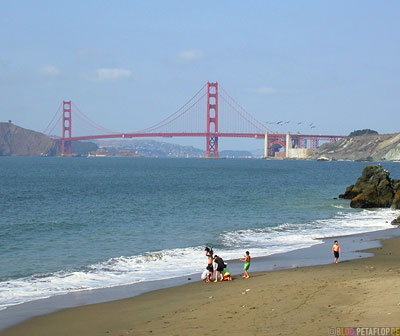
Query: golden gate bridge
x,y
211,113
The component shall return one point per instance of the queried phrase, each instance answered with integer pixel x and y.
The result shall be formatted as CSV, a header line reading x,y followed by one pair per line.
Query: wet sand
x,y
302,301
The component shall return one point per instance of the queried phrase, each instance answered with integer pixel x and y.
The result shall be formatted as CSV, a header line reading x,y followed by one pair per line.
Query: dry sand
x,y
302,301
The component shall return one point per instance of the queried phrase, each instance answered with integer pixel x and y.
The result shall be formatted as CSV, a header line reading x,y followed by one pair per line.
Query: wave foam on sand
x,y
166,264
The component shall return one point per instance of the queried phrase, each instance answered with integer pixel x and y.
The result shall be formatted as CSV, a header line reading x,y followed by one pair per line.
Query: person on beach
x,y
209,254
219,267
226,274
336,251
246,266
206,276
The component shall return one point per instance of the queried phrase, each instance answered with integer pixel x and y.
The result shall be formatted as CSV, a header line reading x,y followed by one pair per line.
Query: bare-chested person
x,y
336,251
210,268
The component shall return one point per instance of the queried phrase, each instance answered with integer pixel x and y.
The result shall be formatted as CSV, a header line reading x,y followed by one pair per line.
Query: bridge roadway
x,y
198,135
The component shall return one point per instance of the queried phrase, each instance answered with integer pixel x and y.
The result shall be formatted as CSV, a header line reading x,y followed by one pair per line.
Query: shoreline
x,y
353,247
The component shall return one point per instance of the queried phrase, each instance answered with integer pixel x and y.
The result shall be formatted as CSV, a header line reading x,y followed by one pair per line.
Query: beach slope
x,y
301,301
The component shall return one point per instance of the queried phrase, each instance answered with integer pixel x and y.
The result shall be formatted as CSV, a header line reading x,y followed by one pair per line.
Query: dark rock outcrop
x,y
374,189
18,141
396,200
396,221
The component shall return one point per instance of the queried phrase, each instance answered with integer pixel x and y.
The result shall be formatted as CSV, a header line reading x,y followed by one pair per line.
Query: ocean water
x,y
72,224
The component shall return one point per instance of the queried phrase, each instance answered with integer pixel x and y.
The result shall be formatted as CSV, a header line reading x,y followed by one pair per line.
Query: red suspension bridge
x,y
211,113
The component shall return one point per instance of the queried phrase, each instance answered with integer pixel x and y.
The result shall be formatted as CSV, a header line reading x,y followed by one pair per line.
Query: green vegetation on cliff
x,y
83,148
362,132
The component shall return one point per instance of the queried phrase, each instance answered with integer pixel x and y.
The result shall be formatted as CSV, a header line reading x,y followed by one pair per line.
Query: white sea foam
x,y
338,206
172,263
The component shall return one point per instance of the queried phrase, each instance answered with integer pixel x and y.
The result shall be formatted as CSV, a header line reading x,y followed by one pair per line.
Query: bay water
x,y
73,224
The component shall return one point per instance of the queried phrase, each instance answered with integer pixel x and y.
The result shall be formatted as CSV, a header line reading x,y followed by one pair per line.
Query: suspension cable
x,y
45,130
164,121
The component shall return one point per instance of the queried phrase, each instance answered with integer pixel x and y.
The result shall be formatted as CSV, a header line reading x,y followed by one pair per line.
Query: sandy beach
x,y
301,301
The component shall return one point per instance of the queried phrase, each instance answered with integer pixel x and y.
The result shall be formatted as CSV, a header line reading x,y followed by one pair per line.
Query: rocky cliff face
x,y
385,147
18,141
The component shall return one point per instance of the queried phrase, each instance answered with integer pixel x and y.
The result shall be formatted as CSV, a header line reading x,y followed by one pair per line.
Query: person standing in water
x,y
246,266
336,251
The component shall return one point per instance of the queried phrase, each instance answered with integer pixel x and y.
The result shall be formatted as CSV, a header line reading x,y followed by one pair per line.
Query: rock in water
x,y
350,192
396,201
396,221
374,189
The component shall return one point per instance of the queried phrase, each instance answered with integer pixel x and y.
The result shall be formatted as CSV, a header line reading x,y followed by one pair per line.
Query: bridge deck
x,y
198,135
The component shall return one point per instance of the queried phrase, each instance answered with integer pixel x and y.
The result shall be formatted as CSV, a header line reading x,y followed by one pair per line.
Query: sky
x,y
129,64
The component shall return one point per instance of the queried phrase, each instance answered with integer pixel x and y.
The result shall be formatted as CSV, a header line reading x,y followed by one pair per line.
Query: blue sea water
x,y
71,224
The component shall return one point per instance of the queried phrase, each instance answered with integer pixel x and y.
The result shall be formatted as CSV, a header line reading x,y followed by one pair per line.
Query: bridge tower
x,y
212,120
66,128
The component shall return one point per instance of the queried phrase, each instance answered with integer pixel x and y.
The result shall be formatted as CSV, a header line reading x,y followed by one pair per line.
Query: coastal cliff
x,y
367,147
18,141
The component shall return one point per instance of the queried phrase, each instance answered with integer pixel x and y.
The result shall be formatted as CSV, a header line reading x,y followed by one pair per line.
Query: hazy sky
x,y
129,64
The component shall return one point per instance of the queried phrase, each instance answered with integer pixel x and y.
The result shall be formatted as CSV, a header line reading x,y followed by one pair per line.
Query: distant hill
x,y
151,148
367,147
18,141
